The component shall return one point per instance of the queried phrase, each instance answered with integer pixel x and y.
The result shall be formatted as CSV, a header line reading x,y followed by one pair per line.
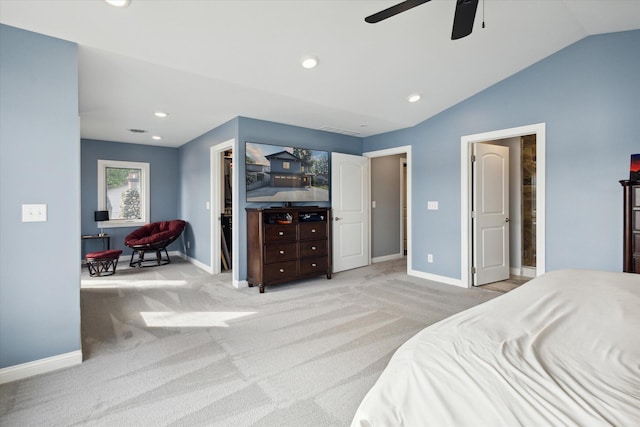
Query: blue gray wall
x,y
587,94
195,189
39,163
165,179
589,97
195,172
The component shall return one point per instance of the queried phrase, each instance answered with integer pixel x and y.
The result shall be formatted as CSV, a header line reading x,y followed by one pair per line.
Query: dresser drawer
x,y
313,230
313,248
280,233
278,252
310,266
280,271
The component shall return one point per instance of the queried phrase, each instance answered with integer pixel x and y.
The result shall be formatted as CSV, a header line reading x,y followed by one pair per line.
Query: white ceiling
x,y
206,62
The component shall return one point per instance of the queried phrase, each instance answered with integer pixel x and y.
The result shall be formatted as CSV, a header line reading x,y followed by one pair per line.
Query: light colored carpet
x,y
175,346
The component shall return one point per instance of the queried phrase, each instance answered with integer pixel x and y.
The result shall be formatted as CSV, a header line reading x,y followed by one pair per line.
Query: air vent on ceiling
x,y
137,130
342,131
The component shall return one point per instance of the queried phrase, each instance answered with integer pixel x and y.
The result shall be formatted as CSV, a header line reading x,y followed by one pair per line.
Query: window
x,y
286,165
123,190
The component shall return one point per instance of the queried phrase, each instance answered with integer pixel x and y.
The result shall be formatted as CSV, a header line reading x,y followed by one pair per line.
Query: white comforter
x,y
563,349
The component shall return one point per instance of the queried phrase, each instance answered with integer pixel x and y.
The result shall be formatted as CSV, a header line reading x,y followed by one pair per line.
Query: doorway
x,y
224,209
517,224
509,137
226,217
388,197
400,233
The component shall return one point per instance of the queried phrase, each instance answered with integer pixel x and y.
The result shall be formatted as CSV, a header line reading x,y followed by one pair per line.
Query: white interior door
x,y
490,213
350,211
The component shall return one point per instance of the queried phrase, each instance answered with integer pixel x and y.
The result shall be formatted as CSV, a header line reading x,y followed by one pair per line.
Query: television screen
x,y
286,174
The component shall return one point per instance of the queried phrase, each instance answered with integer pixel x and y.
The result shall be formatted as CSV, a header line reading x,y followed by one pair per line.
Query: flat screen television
x,y
279,174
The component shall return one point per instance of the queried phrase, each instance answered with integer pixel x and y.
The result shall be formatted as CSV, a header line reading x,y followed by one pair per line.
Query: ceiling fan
x,y
462,21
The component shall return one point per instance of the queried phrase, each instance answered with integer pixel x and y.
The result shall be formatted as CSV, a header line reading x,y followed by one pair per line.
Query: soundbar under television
x,y
279,174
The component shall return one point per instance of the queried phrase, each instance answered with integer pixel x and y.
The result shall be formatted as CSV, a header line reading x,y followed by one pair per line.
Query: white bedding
x,y
563,349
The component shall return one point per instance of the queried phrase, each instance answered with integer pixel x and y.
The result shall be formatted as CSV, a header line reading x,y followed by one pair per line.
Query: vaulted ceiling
x,y
206,62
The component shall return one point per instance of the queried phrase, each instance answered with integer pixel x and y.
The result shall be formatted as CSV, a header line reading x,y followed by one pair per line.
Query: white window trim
x,y
145,185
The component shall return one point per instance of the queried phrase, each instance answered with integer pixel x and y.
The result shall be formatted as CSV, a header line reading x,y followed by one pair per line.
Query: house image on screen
x,y
287,170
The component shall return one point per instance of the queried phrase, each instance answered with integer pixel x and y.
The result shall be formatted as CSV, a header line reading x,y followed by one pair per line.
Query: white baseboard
x,y
436,278
200,265
386,258
523,271
42,366
240,284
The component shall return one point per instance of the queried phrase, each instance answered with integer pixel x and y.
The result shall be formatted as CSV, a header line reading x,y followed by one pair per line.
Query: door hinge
x,y
473,158
473,270
473,214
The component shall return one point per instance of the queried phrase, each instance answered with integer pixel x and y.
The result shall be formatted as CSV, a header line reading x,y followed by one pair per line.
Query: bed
x,y
563,349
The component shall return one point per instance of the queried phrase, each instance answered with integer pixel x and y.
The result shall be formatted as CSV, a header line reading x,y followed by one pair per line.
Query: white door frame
x,y
466,191
403,195
216,206
405,150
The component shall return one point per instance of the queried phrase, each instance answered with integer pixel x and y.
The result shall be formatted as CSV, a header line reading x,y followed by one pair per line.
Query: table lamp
x,y
100,216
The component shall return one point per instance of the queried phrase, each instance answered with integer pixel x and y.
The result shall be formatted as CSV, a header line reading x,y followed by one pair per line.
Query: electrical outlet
x,y
429,257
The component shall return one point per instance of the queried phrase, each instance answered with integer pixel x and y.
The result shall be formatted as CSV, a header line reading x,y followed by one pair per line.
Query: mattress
x,y
563,349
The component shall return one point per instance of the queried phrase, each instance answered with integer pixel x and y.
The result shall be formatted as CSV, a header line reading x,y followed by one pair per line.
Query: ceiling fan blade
x,y
463,19
394,10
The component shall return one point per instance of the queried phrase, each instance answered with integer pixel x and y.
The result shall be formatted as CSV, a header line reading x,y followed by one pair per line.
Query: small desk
x,y
106,240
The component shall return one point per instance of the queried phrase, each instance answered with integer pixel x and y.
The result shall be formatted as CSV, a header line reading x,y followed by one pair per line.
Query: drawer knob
x,y
313,264
281,252
313,230
282,270
313,248
281,233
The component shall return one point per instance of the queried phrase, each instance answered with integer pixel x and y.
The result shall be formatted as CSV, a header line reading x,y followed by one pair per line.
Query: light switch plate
x,y
34,212
432,205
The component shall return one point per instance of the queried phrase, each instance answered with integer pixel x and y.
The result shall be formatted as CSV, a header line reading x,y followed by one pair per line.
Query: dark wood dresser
x,y
288,243
631,256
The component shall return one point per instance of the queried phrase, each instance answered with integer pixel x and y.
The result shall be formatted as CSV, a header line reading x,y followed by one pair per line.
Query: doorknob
x,y
337,218
507,220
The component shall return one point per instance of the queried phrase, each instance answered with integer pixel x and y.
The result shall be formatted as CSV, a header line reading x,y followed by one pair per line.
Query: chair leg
x,y
139,262
92,269
102,267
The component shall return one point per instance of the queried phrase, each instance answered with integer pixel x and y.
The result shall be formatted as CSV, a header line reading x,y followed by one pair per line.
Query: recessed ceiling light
x,y
118,3
414,98
156,137
160,114
309,62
